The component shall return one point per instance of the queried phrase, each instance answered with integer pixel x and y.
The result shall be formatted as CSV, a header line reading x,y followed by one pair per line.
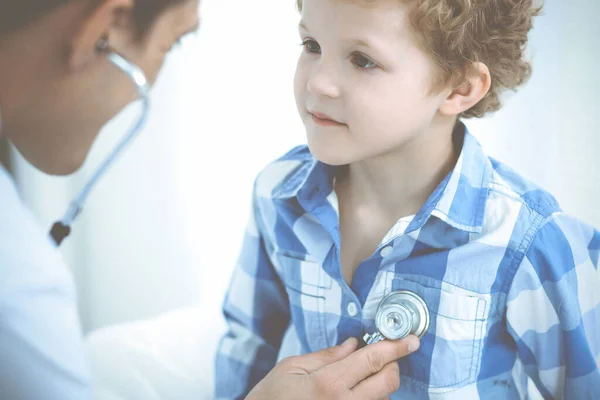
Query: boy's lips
x,y
324,119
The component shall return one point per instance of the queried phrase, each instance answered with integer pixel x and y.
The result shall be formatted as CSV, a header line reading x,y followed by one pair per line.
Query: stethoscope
x,y
61,229
400,314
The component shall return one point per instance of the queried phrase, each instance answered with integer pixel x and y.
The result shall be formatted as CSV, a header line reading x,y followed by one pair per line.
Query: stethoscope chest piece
x,y
400,314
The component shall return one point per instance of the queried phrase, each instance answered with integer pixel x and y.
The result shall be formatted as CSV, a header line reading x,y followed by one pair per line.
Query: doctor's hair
x,y
17,14
458,33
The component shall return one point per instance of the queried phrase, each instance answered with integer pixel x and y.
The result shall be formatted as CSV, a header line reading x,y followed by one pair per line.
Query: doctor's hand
x,y
340,372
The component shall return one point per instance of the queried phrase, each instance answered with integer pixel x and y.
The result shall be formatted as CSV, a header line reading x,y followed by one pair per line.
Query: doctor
x,y
57,89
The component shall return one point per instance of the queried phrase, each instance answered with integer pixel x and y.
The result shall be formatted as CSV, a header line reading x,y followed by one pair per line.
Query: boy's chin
x,y
328,154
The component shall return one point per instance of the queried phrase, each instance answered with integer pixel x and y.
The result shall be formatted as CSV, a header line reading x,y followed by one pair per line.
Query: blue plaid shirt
x,y
511,282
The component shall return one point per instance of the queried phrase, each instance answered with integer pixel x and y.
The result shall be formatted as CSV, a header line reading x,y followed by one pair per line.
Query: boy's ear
x,y
469,92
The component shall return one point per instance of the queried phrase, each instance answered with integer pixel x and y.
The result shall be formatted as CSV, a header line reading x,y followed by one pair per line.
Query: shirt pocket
x,y
450,353
306,284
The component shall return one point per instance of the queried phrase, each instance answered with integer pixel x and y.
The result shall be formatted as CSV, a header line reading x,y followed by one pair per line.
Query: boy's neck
x,y
398,184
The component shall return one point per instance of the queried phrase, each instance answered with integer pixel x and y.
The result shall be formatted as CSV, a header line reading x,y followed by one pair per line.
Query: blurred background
x,y
154,249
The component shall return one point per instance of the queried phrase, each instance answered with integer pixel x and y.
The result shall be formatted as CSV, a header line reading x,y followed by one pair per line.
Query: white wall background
x,y
163,230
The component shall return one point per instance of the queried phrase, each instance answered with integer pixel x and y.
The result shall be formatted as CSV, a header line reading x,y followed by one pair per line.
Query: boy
x,y
393,193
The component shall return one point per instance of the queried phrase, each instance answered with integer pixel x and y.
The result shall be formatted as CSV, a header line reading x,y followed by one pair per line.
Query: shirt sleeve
x,y
553,310
257,313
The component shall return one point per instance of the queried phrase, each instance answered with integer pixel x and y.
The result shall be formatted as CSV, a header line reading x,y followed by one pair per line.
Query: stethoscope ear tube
x,y
61,229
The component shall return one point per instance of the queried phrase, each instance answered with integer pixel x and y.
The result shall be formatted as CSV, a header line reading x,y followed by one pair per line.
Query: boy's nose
x,y
321,83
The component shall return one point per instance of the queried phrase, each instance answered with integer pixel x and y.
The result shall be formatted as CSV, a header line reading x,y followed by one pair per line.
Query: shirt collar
x,y
309,183
459,200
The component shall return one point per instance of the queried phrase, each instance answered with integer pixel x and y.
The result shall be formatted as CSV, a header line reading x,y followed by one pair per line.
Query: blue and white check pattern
x,y
512,284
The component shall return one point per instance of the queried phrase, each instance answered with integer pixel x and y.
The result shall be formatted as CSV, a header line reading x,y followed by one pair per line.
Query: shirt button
x,y
352,310
386,251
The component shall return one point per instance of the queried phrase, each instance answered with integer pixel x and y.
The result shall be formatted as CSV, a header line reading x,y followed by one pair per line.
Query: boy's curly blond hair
x,y
458,33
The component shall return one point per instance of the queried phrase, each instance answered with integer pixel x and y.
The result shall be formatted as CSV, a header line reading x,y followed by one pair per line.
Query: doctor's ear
x,y
108,22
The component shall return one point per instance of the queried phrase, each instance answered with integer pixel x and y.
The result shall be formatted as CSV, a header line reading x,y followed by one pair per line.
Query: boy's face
x,y
361,68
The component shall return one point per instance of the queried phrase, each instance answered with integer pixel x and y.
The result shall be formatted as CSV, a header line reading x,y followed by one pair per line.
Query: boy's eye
x,y
362,62
311,46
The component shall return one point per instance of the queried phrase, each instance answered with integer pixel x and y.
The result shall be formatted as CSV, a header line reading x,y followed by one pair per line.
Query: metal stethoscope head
x,y
61,229
400,314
